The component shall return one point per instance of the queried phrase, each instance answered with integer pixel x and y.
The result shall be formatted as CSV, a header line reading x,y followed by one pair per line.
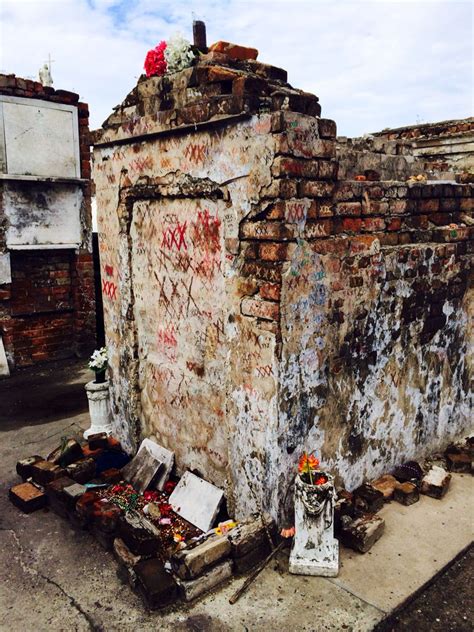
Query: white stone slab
x,y
5,268
161,454
196,500
4,370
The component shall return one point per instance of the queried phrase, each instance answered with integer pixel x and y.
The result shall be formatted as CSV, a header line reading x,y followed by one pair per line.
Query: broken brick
x,y
123,554
66,454
23,467
367,499
361,534
406,493
58,500
234,51
139,539
97,441
27,497
193,588
43,472
386,485
156,585
187,564
82,471
436,482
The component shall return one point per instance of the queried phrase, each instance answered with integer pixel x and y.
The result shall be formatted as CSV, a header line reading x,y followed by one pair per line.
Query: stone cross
x,y
199,35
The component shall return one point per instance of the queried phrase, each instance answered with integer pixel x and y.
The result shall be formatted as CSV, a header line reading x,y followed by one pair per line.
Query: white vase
x,y
99,408
315,549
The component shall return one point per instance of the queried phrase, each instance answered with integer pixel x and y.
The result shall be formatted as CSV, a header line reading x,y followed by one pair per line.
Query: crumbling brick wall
x,y
47,311
256,305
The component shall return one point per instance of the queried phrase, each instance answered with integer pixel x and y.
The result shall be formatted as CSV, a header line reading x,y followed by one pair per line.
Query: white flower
x,y
178,53
98,360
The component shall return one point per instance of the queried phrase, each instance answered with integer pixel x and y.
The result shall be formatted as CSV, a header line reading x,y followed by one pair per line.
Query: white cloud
x,y
372,64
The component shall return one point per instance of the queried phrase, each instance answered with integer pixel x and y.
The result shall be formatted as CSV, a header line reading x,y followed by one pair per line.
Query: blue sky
x,y
373,64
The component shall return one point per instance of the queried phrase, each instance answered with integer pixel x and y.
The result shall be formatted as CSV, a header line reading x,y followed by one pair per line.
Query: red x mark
x,y
109,289
174,236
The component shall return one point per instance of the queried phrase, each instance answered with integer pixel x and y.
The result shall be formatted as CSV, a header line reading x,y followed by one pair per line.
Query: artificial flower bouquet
x,y
308,468
98,363
172,56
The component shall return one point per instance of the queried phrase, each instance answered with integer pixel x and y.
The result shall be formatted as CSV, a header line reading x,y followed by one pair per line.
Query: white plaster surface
x,y
5,268
196,500
4,370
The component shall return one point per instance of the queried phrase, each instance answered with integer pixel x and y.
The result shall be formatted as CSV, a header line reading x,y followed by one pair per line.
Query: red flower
x,y
155,63
307,463
169,486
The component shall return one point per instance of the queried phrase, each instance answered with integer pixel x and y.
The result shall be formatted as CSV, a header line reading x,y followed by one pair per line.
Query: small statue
x,y
45,75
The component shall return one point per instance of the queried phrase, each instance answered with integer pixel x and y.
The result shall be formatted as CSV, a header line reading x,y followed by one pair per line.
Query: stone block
x,y
386,485
82,471
436,482
361,534
188,564
27,497
193,588
66,454
155,584
344,507
367,499
406,493
458,462
43,472
23,467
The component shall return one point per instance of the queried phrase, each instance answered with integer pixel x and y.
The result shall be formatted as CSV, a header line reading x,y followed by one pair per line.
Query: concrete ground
x,y
55,578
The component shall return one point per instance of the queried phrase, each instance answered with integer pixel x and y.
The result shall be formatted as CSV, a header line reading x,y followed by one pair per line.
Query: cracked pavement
x,y
55,578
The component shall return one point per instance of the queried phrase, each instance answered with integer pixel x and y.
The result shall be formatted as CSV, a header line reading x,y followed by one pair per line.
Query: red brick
x,y
351,225
270,291
373,224
353,209
273,251
275,231
315,189
394,224
428,206
234,51
267,310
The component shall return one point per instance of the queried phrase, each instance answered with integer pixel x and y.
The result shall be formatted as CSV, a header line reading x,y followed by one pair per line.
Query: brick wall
x,y
260,302
48,310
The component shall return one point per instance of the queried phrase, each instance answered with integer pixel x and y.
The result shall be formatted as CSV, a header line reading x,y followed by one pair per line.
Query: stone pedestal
x,y
315,549
99,408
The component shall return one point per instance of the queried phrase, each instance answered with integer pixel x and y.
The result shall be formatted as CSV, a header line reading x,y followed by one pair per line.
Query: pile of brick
x,y
69,483
357,522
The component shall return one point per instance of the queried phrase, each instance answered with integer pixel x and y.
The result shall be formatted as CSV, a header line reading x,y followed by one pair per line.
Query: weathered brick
x,y
327,128
294,167
362,533
386,485
368,499
27,497
353,209
234,51
315,189
436,482
273,251
274,231
260,309
23,467
428,206
270,291
406,493
155,584
193,588
188,564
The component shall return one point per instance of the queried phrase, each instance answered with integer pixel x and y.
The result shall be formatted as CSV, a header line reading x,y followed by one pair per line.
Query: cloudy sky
x,y
373,64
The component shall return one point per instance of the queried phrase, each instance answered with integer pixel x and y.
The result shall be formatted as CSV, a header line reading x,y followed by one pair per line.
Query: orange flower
x,y
287,533
307,463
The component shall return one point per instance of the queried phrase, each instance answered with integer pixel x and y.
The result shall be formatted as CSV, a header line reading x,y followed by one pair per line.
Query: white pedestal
x,y
99,408
315,549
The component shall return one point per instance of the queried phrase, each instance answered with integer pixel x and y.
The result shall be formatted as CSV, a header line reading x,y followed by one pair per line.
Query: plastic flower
x,y
307,463
287,533
155,62
98,360
178,53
